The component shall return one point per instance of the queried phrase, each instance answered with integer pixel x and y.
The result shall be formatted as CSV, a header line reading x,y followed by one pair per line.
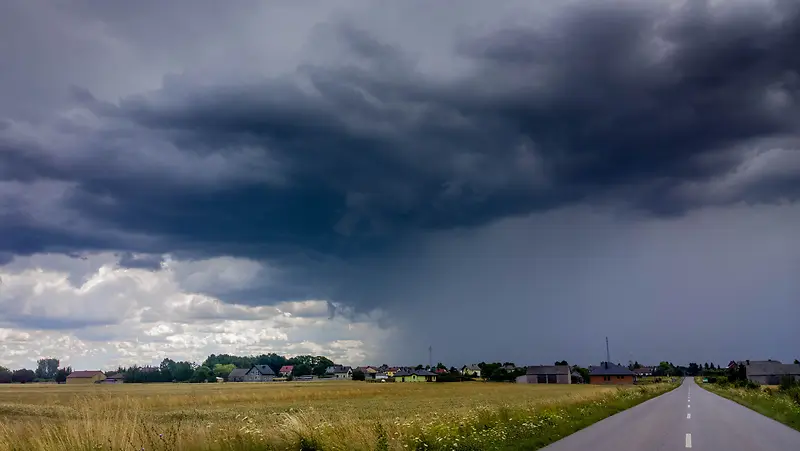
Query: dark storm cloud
x,y
621,103
604,104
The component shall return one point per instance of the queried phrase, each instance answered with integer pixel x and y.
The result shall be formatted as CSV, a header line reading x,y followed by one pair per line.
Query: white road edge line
x,y
688,440
688,416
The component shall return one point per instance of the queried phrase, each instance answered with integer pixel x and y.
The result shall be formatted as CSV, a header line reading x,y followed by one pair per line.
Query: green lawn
x,y
768,401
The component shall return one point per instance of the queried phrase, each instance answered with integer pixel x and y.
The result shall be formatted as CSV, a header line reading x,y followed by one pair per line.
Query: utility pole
x,y
430,356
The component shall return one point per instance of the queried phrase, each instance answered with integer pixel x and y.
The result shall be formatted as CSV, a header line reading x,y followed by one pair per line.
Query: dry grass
x,y
329,415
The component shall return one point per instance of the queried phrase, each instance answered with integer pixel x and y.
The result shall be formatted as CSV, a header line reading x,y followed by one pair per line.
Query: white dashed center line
x,y
688,440
689,406
688,416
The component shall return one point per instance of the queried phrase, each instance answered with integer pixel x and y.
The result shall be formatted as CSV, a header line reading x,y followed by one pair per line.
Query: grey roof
x,y
238,372
473,367
772,369
265,370
423,373
609,370
545,369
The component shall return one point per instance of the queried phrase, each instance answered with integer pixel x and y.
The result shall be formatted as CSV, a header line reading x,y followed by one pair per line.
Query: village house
x,y
340,372
414,376
546,374
369,372
644,371
286,370
471,370
85,377
770,372
610,374
259,373
238,375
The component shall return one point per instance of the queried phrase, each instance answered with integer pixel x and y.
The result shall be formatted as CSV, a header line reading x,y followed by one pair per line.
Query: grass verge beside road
x,y
771,402
312,416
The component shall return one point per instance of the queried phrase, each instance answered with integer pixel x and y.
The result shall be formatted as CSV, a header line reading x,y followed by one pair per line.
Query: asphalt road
x,y
687,417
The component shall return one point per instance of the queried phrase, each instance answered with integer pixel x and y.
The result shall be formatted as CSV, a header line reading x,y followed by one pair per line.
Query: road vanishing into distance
x,y
687,417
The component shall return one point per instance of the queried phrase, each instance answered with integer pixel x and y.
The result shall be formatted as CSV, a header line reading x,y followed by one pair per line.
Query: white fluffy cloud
x,y
92,313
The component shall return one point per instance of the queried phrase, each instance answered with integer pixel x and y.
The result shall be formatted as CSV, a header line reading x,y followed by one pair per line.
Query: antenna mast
x,y
430,356
608,354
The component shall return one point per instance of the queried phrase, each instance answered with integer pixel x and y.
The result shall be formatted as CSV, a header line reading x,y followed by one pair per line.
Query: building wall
x,y
255,376
85,380
615,380
415,378
534,379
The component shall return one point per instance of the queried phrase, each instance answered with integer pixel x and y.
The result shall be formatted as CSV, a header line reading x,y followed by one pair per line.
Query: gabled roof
x,y
265,370
118,376
238,372
286,369
540,370
84,374
772,369
473,367
609,369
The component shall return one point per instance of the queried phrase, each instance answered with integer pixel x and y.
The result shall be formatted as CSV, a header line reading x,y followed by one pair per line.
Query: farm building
x,y
286,370
414,376
259,373
85,377
237,375
544,374
610,374
770,372
340,372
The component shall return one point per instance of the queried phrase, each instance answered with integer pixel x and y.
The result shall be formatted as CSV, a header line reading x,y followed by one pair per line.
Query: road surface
x,y
687,417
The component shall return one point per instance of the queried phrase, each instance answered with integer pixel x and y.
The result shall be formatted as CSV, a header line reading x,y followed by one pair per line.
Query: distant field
x,y
326,415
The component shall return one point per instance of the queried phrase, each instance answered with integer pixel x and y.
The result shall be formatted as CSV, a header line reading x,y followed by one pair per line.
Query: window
x,y
606,378
620,377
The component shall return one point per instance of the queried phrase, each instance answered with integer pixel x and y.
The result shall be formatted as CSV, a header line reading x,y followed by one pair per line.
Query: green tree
x,y
562,362
440,366
46,368
203,374
302,370
6,376
359,375
23,376
796,362
62,373
223,371
584,372
183,371
419,367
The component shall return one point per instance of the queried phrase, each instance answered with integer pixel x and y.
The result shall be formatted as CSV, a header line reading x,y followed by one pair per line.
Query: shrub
x,y
788,383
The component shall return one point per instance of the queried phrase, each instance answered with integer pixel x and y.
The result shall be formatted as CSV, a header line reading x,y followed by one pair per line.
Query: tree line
x,y
47,370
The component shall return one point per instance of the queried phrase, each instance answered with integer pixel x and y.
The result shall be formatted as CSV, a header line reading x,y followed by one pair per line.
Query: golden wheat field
x,y
312,415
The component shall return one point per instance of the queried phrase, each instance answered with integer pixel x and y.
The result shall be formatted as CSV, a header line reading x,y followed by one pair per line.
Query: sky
x,y
499,181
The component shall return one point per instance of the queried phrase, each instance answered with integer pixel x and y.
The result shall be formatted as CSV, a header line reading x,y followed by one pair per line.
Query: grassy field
x,y
766,400
285,416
